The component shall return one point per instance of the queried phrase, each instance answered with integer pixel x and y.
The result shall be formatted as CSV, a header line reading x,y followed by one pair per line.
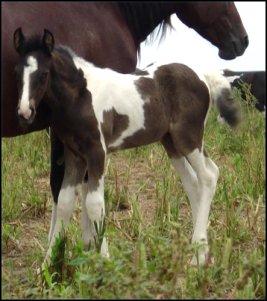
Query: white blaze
x,y
24,103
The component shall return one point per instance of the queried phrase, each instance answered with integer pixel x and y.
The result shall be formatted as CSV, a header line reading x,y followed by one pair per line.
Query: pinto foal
x,y
96,111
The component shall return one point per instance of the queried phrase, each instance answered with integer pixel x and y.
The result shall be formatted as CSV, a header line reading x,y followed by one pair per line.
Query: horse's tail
x,y
222,95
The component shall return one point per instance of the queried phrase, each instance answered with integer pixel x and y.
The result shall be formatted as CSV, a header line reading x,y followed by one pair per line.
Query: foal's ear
x,y
48,40
18,39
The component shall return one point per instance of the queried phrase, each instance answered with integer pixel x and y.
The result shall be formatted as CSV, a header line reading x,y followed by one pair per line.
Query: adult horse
x,y
109,35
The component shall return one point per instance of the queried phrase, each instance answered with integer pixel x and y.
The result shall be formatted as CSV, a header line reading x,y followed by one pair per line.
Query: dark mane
x,y
63,62
142,16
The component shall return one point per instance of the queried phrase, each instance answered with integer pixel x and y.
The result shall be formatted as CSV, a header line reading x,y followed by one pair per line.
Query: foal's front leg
x,y
56,175
93,231
74,171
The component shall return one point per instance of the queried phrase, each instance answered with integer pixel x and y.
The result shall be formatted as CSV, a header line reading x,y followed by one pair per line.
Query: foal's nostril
x,y
26,116
32,110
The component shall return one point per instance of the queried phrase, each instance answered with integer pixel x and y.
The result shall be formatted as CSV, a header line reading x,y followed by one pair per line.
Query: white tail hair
x,y
222,95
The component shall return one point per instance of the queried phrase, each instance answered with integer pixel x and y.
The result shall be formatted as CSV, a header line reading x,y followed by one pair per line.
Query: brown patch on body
x,y
188,100
113,125
176,104
156,111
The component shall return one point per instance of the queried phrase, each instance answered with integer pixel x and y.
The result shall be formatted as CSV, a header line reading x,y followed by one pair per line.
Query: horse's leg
x,y
86,225
207,174
56,175
190,183
184,169
94,201
53,220
88,228
74,172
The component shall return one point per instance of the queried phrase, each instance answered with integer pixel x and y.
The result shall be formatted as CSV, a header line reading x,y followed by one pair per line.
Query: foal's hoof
x,y
40,271
202,257
104,249
201,260
40,275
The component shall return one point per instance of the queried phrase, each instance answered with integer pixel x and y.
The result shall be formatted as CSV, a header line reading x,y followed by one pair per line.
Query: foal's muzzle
x,y
26,117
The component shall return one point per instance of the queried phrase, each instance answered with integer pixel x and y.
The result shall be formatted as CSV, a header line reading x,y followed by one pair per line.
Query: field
x,y
148,225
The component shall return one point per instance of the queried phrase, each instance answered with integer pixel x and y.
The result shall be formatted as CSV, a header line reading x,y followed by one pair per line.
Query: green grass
x,y
150,242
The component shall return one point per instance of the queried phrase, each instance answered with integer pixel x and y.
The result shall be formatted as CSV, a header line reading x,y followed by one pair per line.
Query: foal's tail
x,y
222,95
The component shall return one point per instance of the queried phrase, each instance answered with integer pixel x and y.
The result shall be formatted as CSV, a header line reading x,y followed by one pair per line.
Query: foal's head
x,y
32,71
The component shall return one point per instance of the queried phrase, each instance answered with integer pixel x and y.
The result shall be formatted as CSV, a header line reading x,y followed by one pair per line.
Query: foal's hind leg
x,y
199,176
207,174
190,183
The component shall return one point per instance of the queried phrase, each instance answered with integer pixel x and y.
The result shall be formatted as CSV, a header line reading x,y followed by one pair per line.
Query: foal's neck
x,y
66,83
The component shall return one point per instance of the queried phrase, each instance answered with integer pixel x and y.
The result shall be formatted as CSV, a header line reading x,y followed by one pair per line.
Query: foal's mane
x,y
65,66
142,16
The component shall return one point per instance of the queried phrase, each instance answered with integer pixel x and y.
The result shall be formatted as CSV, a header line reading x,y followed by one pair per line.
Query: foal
x,y
95,111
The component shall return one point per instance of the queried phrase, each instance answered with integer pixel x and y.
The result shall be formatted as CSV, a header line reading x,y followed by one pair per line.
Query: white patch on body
x,y
113,90
24,103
